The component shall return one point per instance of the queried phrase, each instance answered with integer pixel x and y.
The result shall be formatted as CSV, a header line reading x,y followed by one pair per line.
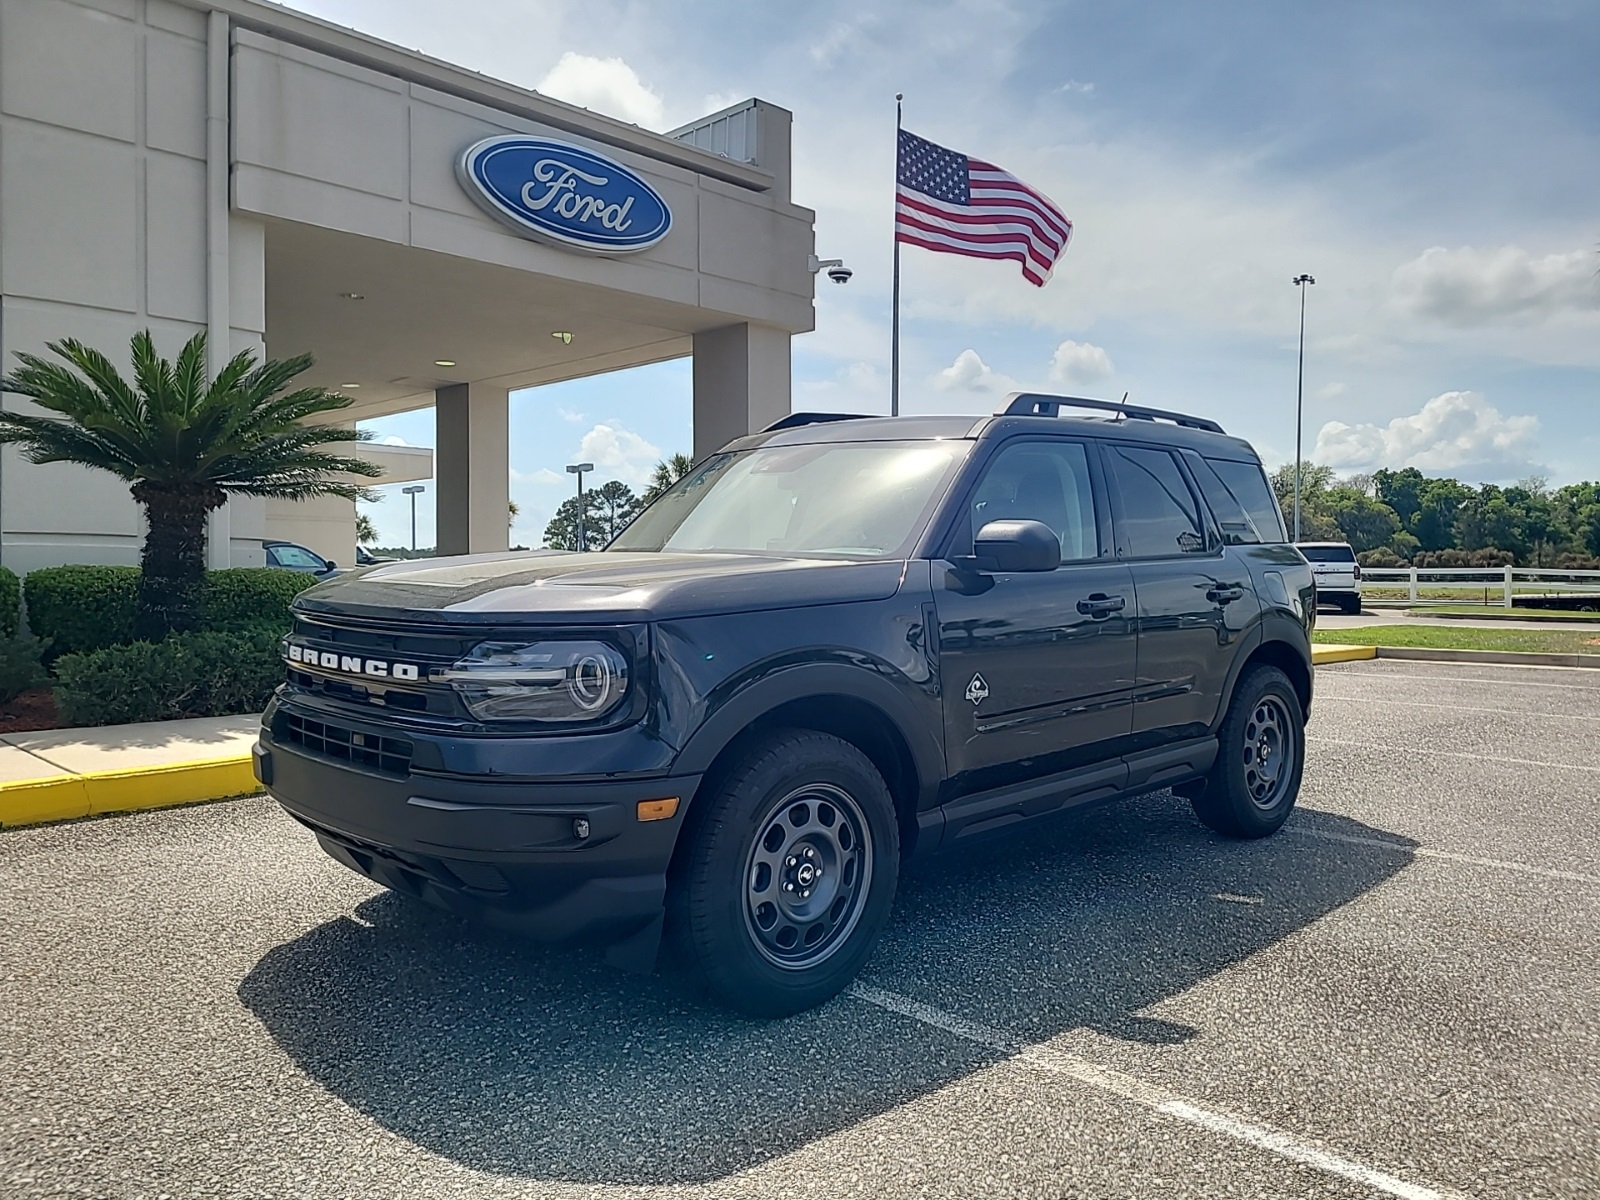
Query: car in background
x,y
291,556
366,558
1337,573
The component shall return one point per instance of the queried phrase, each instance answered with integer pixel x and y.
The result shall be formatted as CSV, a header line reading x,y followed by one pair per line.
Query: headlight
x,y
555,681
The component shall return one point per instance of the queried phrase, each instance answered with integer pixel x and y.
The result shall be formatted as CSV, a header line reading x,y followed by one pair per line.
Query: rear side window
x,y
1236,526
1247,484
1158,515
1328,554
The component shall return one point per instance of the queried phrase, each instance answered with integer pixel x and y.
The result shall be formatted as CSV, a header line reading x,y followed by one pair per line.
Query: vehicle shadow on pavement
x,y
516,1059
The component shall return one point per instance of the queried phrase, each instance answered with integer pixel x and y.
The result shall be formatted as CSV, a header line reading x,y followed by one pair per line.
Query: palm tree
x,y
666,474
366,531
184,445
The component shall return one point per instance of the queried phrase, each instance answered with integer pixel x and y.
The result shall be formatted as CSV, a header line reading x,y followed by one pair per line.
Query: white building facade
x,y
292,186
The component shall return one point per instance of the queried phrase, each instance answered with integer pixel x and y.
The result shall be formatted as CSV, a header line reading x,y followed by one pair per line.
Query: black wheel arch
x,y
1278,641
903,738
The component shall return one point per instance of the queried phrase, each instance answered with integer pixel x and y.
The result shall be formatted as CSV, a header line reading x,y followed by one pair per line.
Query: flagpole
x,y
894,344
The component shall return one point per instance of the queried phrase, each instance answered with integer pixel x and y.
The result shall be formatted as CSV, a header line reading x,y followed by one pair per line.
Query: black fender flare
x,y
801,681
1272,627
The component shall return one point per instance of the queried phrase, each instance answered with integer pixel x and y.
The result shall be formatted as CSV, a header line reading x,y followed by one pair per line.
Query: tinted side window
x,y
297,557
1158,514
1237,527
1248,485
1042,481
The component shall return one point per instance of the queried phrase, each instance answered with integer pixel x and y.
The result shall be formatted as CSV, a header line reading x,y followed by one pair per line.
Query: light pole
x,y
1300,281
578,469
412,492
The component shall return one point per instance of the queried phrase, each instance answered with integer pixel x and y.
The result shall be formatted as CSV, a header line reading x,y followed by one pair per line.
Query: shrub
x,y
84,608
10,603
236,597
21,666
1464,558
185,675
1381,557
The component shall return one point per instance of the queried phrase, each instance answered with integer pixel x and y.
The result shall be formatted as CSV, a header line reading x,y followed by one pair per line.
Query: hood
x,y
610,587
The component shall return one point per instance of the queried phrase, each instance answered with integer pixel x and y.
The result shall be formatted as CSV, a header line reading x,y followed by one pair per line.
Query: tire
x,y
1352,605
788,874
1242,799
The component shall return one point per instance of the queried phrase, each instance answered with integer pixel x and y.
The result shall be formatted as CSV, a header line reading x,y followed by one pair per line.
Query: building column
x,y
472,469
741,383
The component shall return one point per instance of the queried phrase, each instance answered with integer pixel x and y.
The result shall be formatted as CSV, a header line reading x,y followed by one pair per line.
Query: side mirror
x,y
1017,546
331,565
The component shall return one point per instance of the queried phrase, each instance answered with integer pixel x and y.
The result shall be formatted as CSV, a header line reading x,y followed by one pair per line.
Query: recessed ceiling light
x,y
444,362
562,336
351,296
349,385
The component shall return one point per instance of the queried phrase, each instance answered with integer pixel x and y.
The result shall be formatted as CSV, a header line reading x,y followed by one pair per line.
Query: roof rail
x,y
795,420
1042,404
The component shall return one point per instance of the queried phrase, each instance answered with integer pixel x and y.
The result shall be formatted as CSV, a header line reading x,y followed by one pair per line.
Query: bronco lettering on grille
x,y
349,664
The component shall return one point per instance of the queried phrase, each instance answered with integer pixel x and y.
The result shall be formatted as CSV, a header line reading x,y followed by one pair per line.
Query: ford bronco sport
x,y
835,643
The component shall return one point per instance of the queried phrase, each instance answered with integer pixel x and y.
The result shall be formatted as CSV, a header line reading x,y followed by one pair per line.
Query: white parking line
x,y
1447,855
1155,1098
1521,762
1506,712
1346,672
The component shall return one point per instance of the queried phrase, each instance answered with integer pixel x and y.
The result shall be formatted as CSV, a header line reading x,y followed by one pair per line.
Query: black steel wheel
x,y
787,873
808,877
1252,788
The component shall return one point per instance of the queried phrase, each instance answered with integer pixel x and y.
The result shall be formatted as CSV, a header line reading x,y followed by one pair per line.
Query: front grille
x,y
386,755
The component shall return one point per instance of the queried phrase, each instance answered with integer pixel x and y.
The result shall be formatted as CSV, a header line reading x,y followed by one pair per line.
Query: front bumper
x,y
562,862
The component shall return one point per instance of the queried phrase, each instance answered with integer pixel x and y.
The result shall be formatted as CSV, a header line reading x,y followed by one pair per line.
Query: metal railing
x,y
1505,584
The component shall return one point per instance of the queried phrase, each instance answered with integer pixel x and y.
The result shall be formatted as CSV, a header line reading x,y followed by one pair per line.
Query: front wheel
x,y
1260,758
788,874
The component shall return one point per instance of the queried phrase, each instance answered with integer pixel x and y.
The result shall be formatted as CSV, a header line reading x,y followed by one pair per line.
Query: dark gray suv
x,y
834,644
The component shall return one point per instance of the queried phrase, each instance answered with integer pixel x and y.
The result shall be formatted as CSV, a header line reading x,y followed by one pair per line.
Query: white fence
x,y
1493,585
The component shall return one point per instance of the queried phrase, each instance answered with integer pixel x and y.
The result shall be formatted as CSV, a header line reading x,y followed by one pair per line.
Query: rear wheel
x,y
1260,758
789,874
1352,605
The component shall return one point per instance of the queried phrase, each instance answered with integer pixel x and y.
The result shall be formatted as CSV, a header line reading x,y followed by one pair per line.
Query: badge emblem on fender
x,y
977,690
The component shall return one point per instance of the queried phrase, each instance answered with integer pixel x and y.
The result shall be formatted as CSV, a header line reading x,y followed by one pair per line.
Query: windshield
x,y
1328,554
832,499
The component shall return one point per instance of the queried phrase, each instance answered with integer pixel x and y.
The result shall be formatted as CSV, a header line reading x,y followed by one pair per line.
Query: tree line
x,y
608,509
1392,518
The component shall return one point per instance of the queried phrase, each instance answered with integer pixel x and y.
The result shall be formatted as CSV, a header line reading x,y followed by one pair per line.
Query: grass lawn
x,y
1486,592
1446,637
1512,614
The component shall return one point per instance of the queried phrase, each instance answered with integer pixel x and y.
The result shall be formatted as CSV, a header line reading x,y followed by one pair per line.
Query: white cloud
x,y
393,440
1073,85
1076,363
543,477
969,373
1456,433
717,101
1331,391
618,453
1468,286
607,85
576,418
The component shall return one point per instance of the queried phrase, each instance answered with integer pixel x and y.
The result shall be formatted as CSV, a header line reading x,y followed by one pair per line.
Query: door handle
x,y
1100,605
1225,595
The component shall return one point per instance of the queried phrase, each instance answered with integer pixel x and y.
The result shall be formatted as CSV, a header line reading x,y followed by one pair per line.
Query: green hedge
x,y
87,608
10,603
187,675
78,609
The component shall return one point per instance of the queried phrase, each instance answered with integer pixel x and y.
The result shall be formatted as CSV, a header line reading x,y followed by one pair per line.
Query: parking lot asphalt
x,y
1397,995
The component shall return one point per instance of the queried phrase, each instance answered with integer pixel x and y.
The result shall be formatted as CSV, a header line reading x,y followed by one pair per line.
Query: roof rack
x,y
795,420
1042,404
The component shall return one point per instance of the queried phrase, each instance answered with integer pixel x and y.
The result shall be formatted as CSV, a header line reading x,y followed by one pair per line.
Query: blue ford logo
x,y
564,193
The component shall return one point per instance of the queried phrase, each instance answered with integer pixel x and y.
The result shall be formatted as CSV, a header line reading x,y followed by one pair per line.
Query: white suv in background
x,y
1337,573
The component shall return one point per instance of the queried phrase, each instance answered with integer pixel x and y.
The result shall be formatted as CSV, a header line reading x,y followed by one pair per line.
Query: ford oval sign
x,y
564,194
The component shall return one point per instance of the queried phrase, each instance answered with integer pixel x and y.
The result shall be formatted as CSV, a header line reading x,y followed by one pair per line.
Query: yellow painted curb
x,y
1328,652
63,797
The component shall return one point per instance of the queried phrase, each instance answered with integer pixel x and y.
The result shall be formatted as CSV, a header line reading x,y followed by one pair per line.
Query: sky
x,y
1434,165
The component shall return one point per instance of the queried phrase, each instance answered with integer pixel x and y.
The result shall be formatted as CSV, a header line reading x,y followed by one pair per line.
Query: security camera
x,y
835,267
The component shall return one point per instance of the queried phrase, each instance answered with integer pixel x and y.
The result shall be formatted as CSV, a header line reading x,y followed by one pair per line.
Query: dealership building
x,y
432,236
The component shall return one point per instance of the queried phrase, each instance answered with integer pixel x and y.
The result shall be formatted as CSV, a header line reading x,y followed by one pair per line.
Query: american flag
x,y
948,202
